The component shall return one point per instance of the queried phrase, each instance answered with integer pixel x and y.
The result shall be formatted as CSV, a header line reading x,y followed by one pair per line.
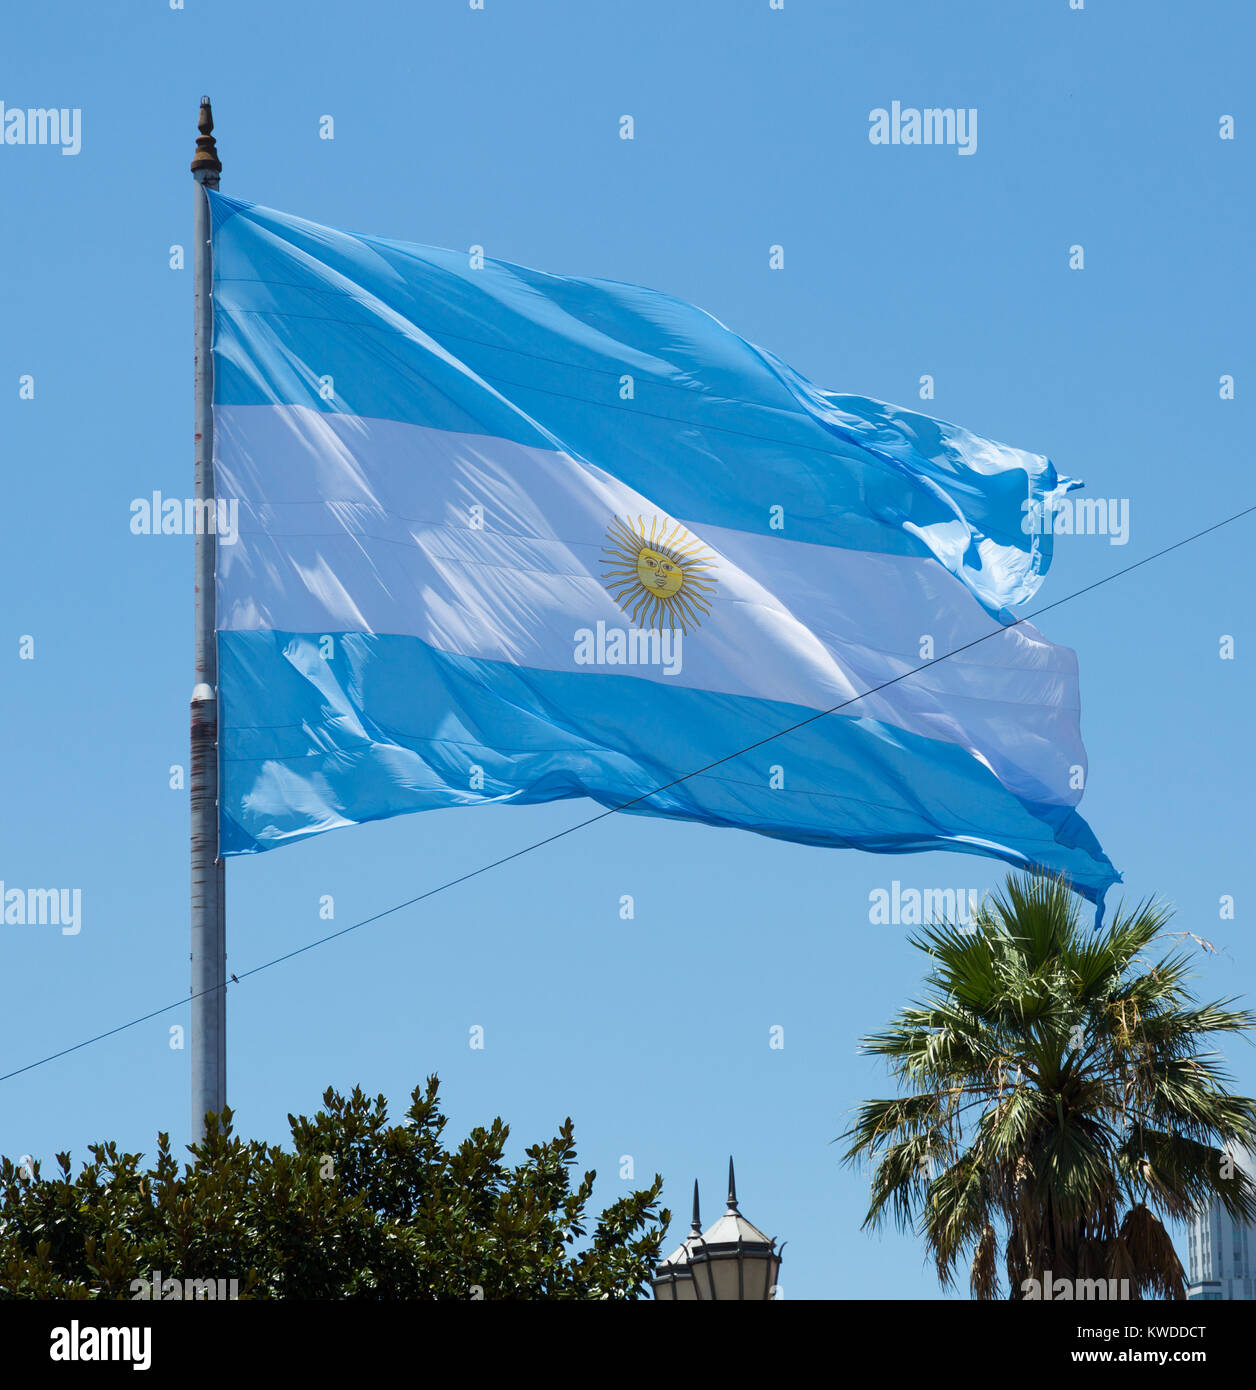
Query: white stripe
x,y
350,524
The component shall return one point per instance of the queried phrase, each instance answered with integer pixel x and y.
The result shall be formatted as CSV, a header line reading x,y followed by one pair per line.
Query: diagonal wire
x,y
636,800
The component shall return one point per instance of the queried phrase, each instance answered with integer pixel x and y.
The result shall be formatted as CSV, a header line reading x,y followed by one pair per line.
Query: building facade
x,y
1219,1256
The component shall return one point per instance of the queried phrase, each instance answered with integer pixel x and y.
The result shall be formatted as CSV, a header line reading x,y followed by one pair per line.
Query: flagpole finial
x,y
205,162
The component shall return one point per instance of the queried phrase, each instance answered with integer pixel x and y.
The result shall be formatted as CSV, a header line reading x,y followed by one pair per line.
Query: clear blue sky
x,y
500,128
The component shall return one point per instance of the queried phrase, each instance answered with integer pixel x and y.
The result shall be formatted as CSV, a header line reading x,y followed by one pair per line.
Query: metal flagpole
x,y
209,945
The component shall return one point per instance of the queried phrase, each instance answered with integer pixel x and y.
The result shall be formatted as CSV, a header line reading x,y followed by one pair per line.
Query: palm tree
x,y
1057,1099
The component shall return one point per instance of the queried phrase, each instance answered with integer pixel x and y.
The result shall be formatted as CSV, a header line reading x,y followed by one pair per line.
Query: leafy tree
x,y
1058,1099
359,1208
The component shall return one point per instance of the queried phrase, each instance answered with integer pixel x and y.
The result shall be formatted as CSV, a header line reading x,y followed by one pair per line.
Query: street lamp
x,y
673,1279
733,1260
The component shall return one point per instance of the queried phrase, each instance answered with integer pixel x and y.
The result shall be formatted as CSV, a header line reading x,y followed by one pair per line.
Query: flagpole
x,y
209,947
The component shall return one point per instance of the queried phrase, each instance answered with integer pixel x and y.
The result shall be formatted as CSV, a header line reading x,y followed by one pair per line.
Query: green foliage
x,y
1059,1095
359,1208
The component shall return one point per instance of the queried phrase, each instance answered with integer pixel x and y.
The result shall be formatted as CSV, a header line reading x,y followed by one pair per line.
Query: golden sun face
x,y
660,577
659,574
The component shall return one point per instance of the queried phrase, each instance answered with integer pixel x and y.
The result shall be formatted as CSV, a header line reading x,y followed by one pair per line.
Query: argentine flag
x,y
508,537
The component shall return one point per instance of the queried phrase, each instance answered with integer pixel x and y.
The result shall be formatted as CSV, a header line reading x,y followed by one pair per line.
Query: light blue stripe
x,y
717,431
387,725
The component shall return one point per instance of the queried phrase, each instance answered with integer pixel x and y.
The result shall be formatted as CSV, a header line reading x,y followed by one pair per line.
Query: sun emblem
x,y
658,577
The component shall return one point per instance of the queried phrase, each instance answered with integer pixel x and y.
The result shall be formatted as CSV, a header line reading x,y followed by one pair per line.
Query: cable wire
x,y
636,800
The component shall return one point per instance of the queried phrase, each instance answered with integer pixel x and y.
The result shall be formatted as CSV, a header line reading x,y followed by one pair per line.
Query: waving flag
x,y
506,536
